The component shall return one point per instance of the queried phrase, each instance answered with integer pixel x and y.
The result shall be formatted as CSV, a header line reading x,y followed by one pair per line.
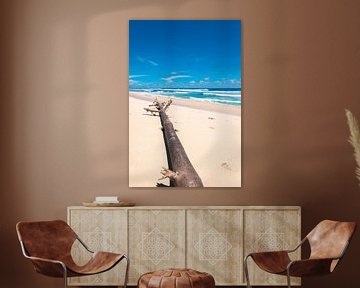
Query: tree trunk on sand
x,y
181,172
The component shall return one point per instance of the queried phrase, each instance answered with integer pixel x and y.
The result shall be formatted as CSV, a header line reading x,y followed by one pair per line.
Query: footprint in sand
x,y
226,166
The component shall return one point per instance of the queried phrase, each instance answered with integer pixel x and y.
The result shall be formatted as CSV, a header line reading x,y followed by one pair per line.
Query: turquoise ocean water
x,y
228,96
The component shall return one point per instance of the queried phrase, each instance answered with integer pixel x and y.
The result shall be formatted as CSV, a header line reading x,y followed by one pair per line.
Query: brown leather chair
x,y
328,242
48,245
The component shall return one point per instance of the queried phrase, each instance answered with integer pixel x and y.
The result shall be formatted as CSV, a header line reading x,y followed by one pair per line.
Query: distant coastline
x,y
186,102
227,96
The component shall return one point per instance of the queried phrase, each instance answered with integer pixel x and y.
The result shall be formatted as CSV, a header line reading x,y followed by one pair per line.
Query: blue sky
x,y
184,54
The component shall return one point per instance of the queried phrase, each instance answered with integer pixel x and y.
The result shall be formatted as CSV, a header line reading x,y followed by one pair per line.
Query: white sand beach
x,y
210,134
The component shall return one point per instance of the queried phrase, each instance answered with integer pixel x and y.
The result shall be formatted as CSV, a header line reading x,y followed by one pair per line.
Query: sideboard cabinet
x,y
212,239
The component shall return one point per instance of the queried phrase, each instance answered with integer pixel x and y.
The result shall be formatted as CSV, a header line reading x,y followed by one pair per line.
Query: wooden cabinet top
x,y
194,207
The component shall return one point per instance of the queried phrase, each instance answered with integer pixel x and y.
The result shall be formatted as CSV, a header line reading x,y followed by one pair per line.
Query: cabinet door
x,y
100,230
271,230
156,240
214,244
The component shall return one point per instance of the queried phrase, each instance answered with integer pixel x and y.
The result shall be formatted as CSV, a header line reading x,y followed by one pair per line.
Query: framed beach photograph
x,y
185,103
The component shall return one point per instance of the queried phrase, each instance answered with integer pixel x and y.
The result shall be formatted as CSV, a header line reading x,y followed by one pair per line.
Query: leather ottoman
x,y
176,278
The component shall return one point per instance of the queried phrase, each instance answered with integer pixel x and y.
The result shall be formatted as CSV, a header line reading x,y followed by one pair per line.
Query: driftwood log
x,y
181,172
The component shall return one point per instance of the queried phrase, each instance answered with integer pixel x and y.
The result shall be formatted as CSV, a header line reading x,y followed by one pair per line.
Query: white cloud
x,y
192,82
171,78
206,79
144,60
153,63
136,76
133,82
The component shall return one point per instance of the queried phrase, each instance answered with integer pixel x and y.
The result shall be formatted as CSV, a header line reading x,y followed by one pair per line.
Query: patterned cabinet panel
x,y
210,239
269,230
101,230
214,244
156,240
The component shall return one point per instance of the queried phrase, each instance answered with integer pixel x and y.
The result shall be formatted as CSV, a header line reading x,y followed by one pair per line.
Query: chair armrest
x,y
83,244
280,251
309,267
48,267
298,246
45,260
271,261
270,252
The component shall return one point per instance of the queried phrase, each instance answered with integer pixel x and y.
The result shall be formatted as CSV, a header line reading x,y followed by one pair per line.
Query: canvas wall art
x,y
185,103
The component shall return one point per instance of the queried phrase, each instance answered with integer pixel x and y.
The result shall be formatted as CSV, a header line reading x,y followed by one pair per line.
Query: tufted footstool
x,y
176,278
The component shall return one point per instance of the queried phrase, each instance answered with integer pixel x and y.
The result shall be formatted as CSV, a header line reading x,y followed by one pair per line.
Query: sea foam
x,y
228,96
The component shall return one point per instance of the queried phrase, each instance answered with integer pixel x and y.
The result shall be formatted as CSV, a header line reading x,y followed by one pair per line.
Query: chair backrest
x,y
46,239
329,239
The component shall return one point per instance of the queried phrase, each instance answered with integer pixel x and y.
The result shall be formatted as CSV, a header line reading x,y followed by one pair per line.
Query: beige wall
x,y
64,121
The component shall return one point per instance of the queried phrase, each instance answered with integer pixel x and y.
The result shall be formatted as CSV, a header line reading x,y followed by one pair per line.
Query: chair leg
x,y
288,278
65,276
127,271
246,270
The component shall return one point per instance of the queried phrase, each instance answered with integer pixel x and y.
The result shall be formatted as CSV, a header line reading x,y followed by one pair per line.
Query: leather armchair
x,y
328,242
48,245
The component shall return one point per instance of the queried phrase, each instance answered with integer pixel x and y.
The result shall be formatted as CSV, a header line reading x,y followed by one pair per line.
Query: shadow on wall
x,y
68,71
63,69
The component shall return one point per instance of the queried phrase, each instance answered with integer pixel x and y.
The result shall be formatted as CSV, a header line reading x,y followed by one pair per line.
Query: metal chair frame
x,y
23,249
288,276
